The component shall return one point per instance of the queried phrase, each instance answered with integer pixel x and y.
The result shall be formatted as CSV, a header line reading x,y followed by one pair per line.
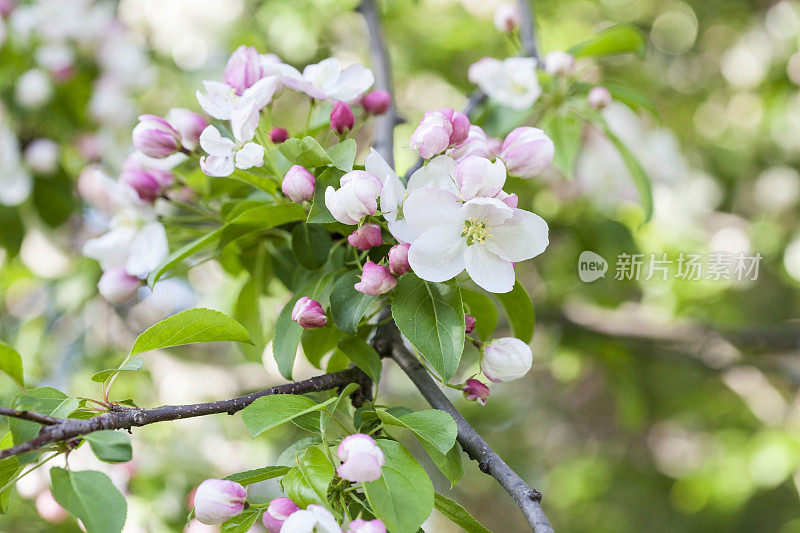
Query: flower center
x,y
475,231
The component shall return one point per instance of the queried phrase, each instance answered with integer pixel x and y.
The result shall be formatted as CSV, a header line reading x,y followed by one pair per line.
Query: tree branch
x,y
65,429
389,343
384,124
31,416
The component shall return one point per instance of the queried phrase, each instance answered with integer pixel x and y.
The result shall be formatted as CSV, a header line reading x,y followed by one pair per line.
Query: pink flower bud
x,y
398,259
154,137
278,511
366,237
309,313
243,69
506,359
507,17
461,126
189,124
361,458
474,390
49,509
366,526
117,286
598,97
377,102
527,152
558,63
477,176
217,500
342,118
469,323
357,198
375,280
6,7
148,184
432,136
476,143
278,135
298,184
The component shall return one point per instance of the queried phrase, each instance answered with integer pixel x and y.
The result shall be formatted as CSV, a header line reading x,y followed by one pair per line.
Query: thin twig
x,y
32,416
65,429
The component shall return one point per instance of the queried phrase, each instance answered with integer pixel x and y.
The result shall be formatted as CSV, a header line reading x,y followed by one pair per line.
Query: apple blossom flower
x,y
375,280
217,500
155,137
527,152
33,88
474,390
225,154
188,124
507,18
469,323
356,198
276,514
222,102
313,518
476,143
506,359
377,102
117,286
309,313
483,235
511,82
558,63
278,135
599,97
41,155
438,130
243,68
366,526
361,458
366,237
49,509
327,80
398,259
298,184
342,118
477,176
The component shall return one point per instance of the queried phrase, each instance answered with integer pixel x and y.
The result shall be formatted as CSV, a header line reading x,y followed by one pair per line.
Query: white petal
x,y
521,237
244,119
251,155
400,230
111,249
326,522
352,82
376,165
301,521
217,166
218,100
491,210
322,73
148,250
427,208
487,270
437,173
262,91
212,141
438,254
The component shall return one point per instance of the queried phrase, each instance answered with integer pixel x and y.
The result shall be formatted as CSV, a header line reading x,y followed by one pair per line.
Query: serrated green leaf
x,y
241,523
275,409
182,253
432,425
483,309
343,154
619,39
91,497
305,152
134,364
362,355
565,130
43,400
256,475
9,468
308,482
640,178
519,311
310,245
348,305
325,420
319,342
458,515
110,446
11,364
319,213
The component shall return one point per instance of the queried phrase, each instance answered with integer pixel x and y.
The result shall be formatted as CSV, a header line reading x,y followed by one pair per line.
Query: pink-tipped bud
x,y
217,500
298,184
154,137
598,97
49,509
148,184
276,514
366,526
461,126
243,69
361,458
309,313
366,237
506,359
558,63
507,18
398,259
375,280
475,391
469,323
189,124
278,135
117,286
377,102
342,118
527,152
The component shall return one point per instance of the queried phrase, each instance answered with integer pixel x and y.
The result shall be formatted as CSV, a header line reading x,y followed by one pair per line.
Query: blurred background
x,y
658,405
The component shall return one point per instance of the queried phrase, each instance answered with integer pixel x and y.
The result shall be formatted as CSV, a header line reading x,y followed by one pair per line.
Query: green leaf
x,y
403,496
431,316
319,342
619,39
483,309
264,183
348,305
259,218
110,446
310,245
288,457
305,152
565,129
287,338
91,497
332,408
188,327
275,409
9,467
343,154
182,253
319,213
11,364
432,425
458,515
640,178
249,477
43,400
308,482
519,310
242,522
449,464
136,363
362,355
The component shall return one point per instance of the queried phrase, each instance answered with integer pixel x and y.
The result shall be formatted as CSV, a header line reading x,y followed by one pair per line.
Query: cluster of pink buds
x,y
438,130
